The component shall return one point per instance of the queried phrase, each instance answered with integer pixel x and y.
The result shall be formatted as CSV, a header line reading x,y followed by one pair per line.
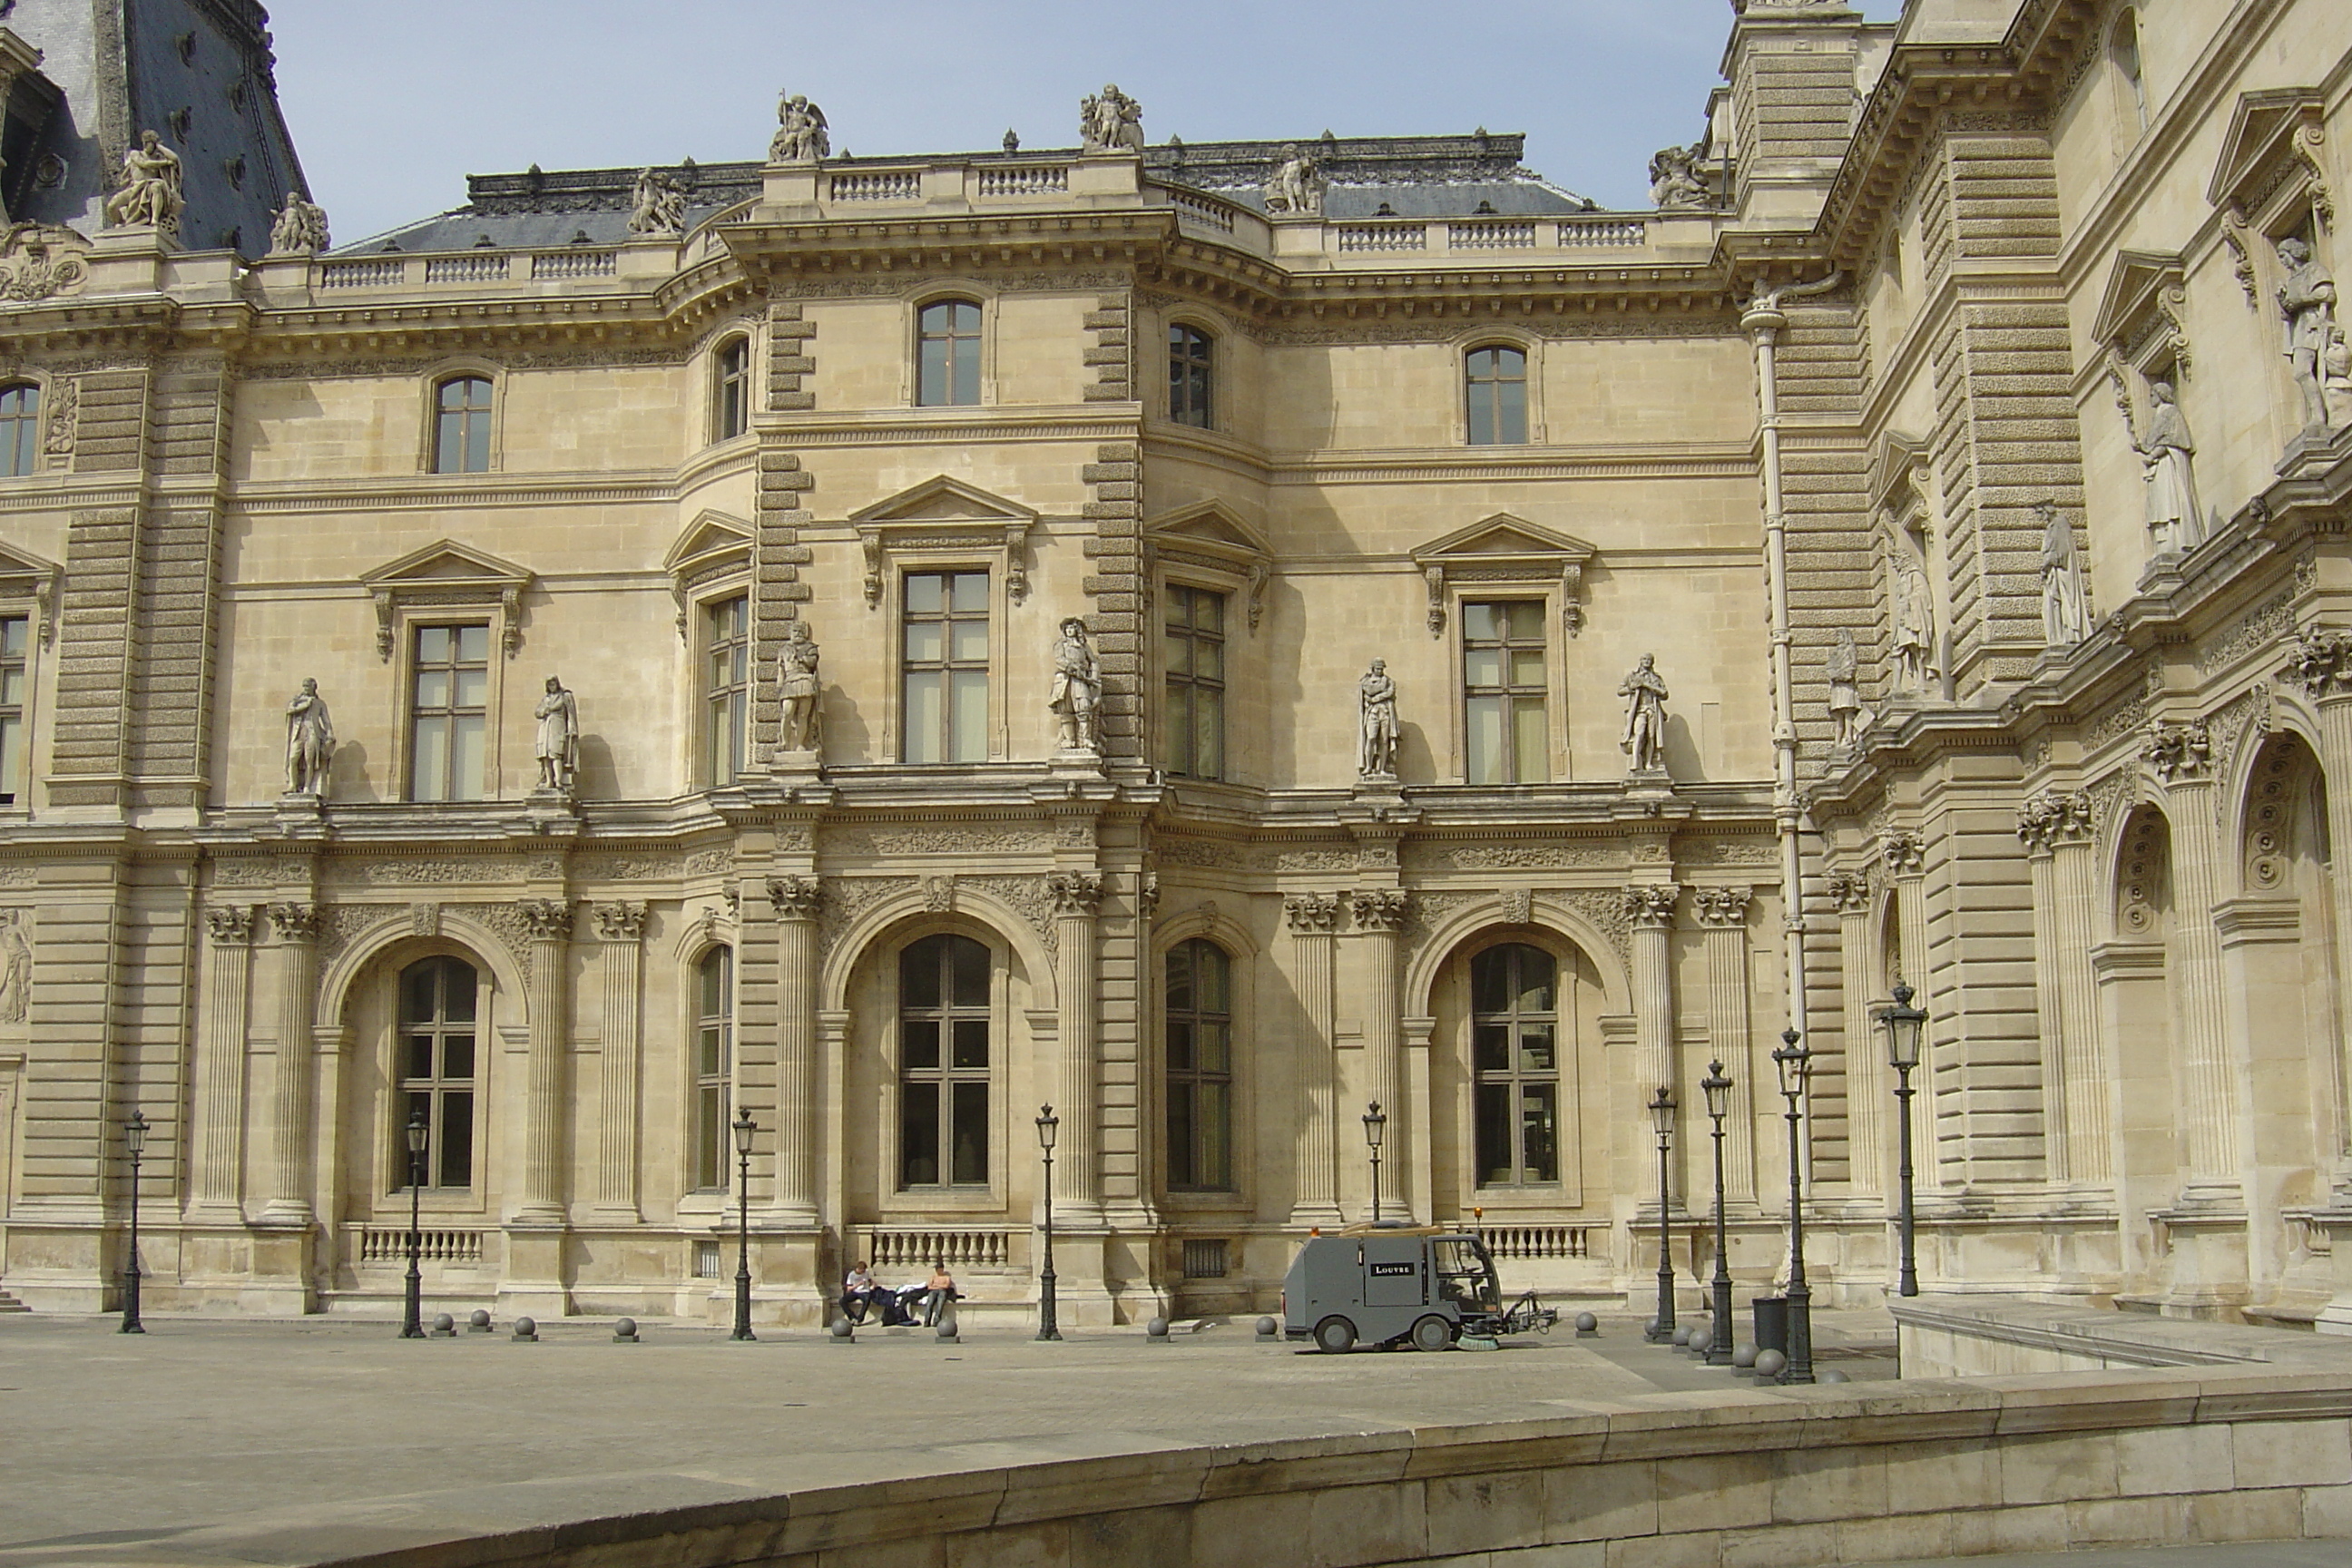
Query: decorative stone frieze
x,y
1312,912
939,893
1519,905
2054,816
1652,907
2178,751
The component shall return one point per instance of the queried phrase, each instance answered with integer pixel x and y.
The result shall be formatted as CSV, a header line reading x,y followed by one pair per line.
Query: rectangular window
x,y
734,389
461,432
946,670
943,1069
1495,382
1195,720
1504,685
1190,360
726,687
13,644
1199,1023
714,1051
448,713
947,367
436,1070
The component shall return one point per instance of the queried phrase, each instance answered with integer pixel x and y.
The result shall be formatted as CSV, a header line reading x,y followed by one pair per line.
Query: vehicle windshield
x,y
1465,1275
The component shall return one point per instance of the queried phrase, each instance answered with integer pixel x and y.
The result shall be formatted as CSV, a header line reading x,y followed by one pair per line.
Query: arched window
x,y
1496,382
1199,1024
731,410
2124,49
714,1062
1515,1065
943,1049
947,363
461,432
20,429
437,1066
1190,360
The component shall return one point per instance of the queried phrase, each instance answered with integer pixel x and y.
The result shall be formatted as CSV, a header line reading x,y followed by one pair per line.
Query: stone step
x,y
10,1304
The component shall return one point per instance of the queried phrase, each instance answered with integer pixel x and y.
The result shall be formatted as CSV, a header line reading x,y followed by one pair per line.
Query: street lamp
x,y
1903,1023
1375,1124
1049,1325
134,1140
744,1128
1662,1117
1794,1061
411,1321
1717,1090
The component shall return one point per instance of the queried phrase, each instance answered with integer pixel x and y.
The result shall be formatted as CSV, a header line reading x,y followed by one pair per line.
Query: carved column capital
x,y
795,898
549,920
2177,751
1849,891
1312,914
1075,892
2053,818
1723,907
2320,662
231,924
1379,908
619,922
1653,907
1146,894
297,922
1903,852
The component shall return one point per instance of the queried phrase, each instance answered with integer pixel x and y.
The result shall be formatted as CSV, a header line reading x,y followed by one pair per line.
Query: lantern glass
x,y
1717,1090
744,1128
134,1131
1903,1023
1375,1125
1049,1126
1662,1111
417,1132
1792,1059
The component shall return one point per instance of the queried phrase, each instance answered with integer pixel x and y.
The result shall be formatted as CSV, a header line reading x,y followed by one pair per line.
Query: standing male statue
x,y
2065,616
309,741
1845,694
1077,685
797,686
1914,630
1645,717
2307,300
1377,741
559,738
2168,459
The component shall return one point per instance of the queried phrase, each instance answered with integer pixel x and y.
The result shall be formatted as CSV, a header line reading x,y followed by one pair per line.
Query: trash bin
x,y
1772,1322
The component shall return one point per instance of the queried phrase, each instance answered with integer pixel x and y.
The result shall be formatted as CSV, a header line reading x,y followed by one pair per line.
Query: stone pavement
x,y
2240,1554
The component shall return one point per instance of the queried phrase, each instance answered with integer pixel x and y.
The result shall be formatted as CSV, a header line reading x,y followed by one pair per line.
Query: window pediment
x,y
2140,315
1209,535
2272,134
448,575
1898,472
24,575
714,545
945,513
1504,548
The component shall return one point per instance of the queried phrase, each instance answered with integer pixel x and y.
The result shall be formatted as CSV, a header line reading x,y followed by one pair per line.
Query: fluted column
x,y
1077,1173
1312,919
1651,911
1723,937
550,924
1868,1079
2177,751
1379,918
297,925
621,929
228,987
797,901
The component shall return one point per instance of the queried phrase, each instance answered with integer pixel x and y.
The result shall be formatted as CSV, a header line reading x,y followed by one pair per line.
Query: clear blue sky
x,y
393,104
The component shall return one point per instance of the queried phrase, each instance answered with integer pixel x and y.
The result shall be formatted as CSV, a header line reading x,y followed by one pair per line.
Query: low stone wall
x,y
1767,1478
1974,1336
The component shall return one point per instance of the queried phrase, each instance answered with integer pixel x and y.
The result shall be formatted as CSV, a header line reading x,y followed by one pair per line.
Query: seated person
x,y
938,1294
858,1294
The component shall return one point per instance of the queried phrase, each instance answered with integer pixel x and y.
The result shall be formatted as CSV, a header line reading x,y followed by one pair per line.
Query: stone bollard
x,y
478,1321
1743,1358
526,1329
947,1331
841,1333
1587,1327
1833,1375
625,1332
445,1326
1269,1333
1155,1332
1649,1330
1769,1365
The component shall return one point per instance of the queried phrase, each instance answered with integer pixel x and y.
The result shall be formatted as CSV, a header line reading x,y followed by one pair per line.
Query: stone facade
x,y
1828,398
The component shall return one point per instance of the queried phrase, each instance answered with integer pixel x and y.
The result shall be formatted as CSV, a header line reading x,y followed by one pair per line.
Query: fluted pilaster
x,y
1723,937
1078,1166
797,901
296,928
228,986
1313,918
548,921
1651,911
620,929
1378,916
1869,1082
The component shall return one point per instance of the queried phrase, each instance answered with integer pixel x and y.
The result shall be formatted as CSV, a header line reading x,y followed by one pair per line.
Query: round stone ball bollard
x,y
1650,1328
445,1326
1743,1356
841,1331
1268,1332
947,1332
624,1331
527,1330
478,1321
1771,1364
1587,1326
1156,1331
1833,1375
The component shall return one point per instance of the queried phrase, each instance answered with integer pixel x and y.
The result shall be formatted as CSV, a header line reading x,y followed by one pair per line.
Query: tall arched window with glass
x,y
461,435
714,1065
946,366
1191,362
943,1063
1199,1023
20,429
1496,382
1515,1065
437,1069
732,392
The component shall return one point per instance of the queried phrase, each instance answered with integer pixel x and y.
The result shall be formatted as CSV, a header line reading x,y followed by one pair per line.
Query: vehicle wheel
x,y
1431,1333
1335,1336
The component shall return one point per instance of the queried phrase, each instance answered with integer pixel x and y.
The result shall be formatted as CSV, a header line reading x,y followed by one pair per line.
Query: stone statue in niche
x,y
1674,181
15,968
300,229
150,195
1112,123
797,686
2065,612
2336,377
1298,184
658,205
1914,630
1077,687
1644,743
559,738
1845,693
2307,300
2167,459
309,741
1376,723
802,135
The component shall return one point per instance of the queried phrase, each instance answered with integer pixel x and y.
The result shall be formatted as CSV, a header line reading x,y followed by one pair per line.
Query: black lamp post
x,y
1794,1060
412,1320
1662,1117
744,1128
1717,1090
1049,1325
134,1140
1375,1124
1903,1023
